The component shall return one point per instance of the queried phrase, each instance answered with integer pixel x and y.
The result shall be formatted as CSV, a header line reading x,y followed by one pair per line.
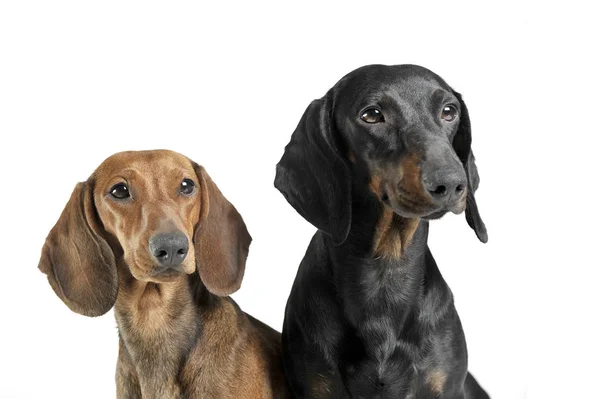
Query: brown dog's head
x,y
155,211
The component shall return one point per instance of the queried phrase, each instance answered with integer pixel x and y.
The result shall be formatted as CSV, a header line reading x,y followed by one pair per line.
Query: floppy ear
x,y
221,240
79,263
313,176
462,147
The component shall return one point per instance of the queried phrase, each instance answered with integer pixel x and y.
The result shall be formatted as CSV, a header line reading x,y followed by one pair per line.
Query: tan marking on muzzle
x,y
411,182
375,185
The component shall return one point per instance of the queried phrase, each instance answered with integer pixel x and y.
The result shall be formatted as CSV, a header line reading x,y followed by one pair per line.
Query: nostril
x,y
460,188
169,249
439,190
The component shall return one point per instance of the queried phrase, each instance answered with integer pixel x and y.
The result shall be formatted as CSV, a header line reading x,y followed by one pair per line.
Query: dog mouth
x,y
162,275
144,269
165,272
435,215
411,208
168,271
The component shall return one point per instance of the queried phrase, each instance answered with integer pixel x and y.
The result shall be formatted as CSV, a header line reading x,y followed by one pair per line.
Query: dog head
x,y
158,213
405,128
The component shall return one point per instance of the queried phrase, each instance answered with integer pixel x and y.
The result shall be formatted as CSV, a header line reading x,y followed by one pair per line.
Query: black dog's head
x,y
402,125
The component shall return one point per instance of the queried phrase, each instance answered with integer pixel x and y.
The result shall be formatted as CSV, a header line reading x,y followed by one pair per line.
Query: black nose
x,y
169,249
445,186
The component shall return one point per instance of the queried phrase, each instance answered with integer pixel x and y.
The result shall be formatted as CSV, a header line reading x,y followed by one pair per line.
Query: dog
x,y
151,234
387,149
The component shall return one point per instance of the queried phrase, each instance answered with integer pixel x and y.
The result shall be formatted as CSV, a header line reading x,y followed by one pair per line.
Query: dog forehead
x,y
155,164
395,81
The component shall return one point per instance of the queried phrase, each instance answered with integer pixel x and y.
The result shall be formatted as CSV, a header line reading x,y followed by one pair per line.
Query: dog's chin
x,y
438,214
414,211
167,276
425,212
163,274
435,215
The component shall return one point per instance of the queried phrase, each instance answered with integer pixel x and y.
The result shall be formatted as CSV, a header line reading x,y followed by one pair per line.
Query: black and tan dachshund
x,y
387,149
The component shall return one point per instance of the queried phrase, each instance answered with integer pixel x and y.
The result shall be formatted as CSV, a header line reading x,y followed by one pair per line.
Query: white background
x,y
226,83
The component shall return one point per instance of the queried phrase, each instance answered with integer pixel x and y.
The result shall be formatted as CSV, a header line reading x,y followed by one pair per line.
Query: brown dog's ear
x,y
462,147
79,263
313,176
221,240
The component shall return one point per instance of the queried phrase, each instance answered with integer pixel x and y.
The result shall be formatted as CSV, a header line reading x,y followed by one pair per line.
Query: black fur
x,y
358,324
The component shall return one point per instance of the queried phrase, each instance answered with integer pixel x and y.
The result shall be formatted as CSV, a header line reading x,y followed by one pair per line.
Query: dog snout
x,y
445,186
169,249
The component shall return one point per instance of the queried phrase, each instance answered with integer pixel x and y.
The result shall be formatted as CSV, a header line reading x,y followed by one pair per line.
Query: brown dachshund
x,y
151,234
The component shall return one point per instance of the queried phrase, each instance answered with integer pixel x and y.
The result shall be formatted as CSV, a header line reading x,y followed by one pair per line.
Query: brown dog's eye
x,y
120,191
186,187
449,113
372,115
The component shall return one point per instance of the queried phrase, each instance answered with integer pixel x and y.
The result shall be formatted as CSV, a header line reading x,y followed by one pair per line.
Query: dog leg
x,y
128,386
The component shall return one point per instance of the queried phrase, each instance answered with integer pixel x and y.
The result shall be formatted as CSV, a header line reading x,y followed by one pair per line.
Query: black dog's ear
x,y
312,174
462,147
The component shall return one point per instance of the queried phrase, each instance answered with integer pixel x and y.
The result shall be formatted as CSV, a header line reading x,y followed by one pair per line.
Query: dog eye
x,y
372,115
186,187
449,113
120,191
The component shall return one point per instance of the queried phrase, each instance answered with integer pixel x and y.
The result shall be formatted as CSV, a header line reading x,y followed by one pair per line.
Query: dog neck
x,y
146,314
149,305
378,233
393,235
383,264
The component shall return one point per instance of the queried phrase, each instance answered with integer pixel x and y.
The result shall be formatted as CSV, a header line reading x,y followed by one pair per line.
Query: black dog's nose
x,y
169,249
445,186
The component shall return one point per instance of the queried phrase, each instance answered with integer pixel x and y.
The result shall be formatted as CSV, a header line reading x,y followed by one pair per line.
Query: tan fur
x,y
128,385
179,335
393,234
221,240
436,380
375,185
402,184
238,350
411,183
232,357
154,178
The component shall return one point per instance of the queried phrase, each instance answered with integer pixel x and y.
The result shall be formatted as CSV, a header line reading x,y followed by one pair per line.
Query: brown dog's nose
x,y
445,186
169,249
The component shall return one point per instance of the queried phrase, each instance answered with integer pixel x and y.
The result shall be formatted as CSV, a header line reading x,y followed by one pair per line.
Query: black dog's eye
x,y
186,187
372,115
120,191
449,113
